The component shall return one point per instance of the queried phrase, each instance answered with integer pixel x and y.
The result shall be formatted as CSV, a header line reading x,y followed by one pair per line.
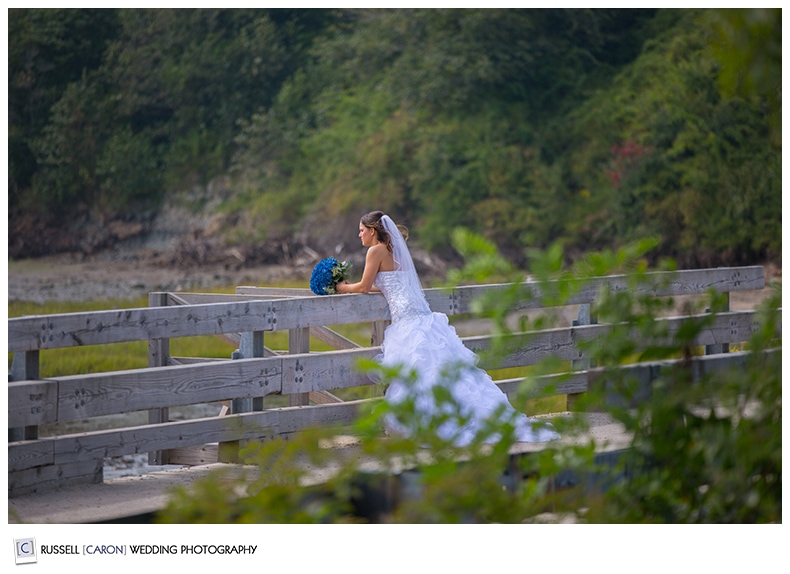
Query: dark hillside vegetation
x,y
590,126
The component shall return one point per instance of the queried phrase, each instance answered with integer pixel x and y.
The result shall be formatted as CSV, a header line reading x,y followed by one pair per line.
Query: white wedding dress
x,y
424,343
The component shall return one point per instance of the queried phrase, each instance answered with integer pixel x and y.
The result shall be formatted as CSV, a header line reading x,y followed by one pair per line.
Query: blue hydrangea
x,y
323,277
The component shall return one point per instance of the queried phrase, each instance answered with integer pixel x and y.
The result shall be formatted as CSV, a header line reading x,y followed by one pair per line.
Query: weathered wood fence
x,y
37,464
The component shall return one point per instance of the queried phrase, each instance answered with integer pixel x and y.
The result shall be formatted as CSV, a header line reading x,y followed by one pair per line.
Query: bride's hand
x,y
339,287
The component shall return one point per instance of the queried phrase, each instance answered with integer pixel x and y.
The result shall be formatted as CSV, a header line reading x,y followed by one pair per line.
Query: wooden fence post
x,y
585,317
377,329
24,367
158,356
299,342
250,346
722,347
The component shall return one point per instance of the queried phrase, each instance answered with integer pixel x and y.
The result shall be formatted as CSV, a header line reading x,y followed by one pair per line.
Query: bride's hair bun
x,y
372,220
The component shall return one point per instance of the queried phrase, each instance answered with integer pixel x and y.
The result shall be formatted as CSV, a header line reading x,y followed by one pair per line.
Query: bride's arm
x,y
372,263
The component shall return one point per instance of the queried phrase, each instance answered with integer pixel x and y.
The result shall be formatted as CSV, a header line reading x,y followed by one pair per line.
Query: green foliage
x,y
748,44
112,106
593,127
690,150
523,140
47,51
709,452
483,261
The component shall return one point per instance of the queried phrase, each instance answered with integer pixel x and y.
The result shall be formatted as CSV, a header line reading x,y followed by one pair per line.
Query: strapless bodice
x,y
402,304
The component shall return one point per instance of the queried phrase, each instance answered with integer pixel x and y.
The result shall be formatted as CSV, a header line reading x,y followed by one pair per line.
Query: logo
x,y
25,550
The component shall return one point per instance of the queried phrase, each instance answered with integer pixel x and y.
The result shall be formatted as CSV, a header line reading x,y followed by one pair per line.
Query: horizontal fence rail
x,y
75,397
255,314
71,449
256,372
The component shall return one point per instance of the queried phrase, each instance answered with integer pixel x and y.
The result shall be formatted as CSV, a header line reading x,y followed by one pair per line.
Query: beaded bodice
x,y
402,304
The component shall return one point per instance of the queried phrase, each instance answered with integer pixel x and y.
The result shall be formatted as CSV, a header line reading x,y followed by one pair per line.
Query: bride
x,y
445,385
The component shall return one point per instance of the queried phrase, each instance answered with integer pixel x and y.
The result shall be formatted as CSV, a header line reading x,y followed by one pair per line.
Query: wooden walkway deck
x,y
138,498
60,479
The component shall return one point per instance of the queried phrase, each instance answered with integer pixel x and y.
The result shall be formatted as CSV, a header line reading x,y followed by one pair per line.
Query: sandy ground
x,y
132,275
62,278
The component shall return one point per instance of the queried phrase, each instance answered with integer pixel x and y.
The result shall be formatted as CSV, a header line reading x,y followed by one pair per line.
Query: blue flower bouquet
x,y
327,274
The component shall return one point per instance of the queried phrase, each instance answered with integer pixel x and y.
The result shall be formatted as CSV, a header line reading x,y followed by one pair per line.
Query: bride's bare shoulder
x,y
381,256
378,251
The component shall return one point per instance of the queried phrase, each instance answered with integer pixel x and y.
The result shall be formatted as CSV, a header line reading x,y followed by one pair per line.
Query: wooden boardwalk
x,y
51,478
139,498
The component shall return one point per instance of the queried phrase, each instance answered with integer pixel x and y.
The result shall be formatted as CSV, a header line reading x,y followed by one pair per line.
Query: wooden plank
x,y
548,385
251,345
325,371
97,394
194,360
102,327
246,426
49,478
193,455
722,348
175,434
333,310
184,298
320,416
323,310
234,339
440,300
30,454
580,381
443,300
332,338
116,326
32,403
357,308
657,284
99,327
274,292
324,398
530,348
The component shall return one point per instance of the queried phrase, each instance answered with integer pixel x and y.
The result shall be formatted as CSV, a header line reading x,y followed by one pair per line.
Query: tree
x,y
748,44
47,50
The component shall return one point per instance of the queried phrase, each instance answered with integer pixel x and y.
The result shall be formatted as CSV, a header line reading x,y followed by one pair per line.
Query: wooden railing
x,y
308,379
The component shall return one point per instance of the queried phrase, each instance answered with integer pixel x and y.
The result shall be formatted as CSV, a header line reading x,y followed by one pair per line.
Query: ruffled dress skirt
x,y
441,389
